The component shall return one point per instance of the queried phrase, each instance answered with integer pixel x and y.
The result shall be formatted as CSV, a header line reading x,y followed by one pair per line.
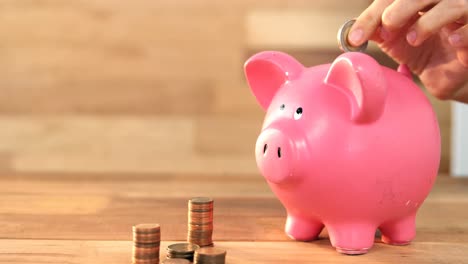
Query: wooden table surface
x,y
88,219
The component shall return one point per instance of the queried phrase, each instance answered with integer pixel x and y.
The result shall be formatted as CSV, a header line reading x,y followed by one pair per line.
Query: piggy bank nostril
x,y
265,148
279,152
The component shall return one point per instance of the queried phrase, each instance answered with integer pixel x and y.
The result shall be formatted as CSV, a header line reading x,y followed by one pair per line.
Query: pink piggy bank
x,y
352,145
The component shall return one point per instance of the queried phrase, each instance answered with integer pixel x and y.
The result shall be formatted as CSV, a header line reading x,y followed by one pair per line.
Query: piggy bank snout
x,y
275,155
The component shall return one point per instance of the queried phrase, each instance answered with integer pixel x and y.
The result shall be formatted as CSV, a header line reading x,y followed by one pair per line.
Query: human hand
x,y
430,36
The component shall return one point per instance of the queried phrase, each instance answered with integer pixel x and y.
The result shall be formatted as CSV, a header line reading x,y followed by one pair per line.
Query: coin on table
x,y
200,204
146,238
147,245
202,226
342,36
201,200
182,248
201,214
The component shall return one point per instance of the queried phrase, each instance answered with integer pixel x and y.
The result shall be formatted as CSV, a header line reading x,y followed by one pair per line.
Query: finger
x,y
400,12
446,12
459,38
367,23
462,55
379,35
462,94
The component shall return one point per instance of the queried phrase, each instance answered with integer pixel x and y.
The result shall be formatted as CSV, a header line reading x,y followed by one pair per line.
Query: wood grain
x,y
221,134
295,28
90,252
5,161
81,219
116,144
110,98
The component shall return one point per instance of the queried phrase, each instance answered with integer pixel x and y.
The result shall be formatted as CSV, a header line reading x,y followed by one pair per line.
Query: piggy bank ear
x,y
361,78
267,71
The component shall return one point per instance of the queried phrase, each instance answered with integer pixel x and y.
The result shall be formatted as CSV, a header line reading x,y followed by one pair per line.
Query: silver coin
x,y
201,200
343,38
182,248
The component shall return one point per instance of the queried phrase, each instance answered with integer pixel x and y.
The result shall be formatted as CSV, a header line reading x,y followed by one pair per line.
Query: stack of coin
x,y
210,255
200,221
146,242
181,251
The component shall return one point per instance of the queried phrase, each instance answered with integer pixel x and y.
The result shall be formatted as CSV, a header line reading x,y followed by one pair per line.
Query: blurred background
x,y
151,86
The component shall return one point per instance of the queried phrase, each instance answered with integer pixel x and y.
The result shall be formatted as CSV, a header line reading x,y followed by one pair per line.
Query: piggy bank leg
x,y
352,239
303,229
399,232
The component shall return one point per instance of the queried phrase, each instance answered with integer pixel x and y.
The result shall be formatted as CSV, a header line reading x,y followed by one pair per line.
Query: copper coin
x,y
200,206
210,255
200,219
204,224
195,207
200,233
213,251
200,242
146,238
199,238
206,244
180,256
147,245
201,214
201,223
201,200
184,256
147,228
200,228
182,248
197,223
200,210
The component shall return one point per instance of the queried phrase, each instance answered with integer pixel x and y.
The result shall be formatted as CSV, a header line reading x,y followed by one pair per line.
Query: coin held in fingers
x,y
342,37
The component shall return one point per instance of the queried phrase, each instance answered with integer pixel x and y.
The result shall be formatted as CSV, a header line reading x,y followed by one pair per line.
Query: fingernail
x,y
411,37
384,34
455,39
356,36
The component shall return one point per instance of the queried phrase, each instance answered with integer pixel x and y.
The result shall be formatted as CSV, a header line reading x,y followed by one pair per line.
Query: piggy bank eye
x,y
282,107
298,113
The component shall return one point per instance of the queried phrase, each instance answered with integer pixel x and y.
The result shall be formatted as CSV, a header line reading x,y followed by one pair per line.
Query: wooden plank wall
x,y
149,86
